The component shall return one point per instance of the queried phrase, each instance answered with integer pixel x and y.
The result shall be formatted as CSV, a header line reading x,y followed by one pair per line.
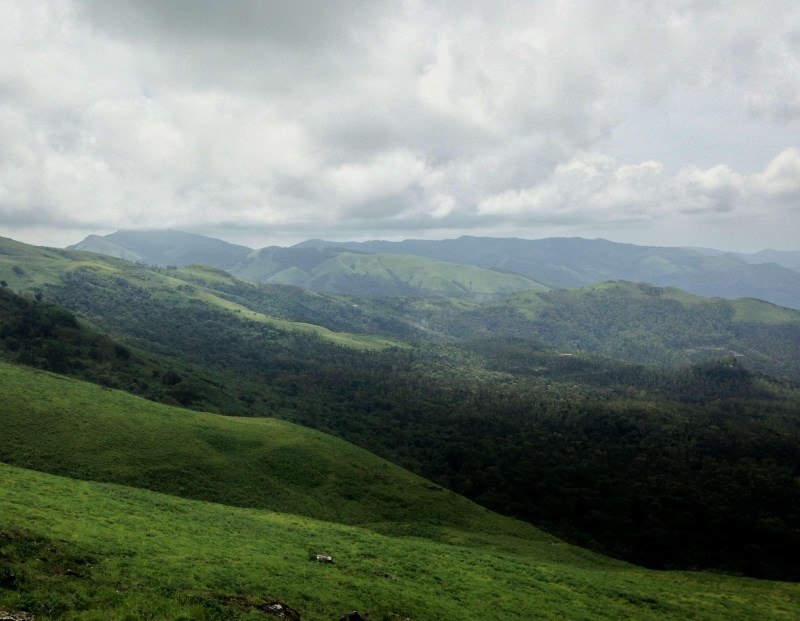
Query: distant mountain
x,y
340,271
784,258
634,322
164,248
436,268
320,269
575,262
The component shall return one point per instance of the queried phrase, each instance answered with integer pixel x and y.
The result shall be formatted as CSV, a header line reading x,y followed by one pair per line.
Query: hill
x,y
164,248
77,429
575,262
785,258
605,453
335,271
104,551
327,270
402,548
632,322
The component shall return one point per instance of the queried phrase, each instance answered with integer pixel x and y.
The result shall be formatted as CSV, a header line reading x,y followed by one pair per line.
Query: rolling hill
x,y
575,262
238,530
605,453
632,322
369,268
326,270
163,248
335,271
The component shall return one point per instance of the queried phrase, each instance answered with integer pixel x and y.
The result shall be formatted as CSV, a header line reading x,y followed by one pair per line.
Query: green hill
x,y
328,270
576,262
336,271
402,547
633,322
32,270
666,467
77,429
164,248
99,551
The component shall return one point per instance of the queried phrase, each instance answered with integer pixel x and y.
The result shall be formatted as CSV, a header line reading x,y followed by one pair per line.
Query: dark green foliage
x,y
669,467
575,262
48,337
632,322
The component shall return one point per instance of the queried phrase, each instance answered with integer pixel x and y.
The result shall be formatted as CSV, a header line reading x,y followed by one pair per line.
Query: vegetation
x,y
80,430
93,550
351,273
71,549
688,467
577,262
633,322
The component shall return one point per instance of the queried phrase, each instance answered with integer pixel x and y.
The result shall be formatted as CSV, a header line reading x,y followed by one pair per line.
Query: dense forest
x,y
695,467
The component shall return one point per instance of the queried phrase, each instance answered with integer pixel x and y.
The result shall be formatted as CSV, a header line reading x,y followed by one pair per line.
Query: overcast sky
x,y
669,123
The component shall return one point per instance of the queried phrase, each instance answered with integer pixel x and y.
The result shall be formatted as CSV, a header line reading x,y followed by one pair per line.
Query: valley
x,y
640,422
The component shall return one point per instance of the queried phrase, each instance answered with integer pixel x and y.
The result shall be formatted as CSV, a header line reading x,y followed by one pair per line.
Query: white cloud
x,y
781,179
370,118
595,188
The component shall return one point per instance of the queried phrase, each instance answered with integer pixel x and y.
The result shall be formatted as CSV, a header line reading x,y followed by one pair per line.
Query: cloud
x,y
781,179
370,118
596,188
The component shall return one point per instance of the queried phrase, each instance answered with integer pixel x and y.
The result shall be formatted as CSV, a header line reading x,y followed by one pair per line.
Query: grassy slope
x,y
746,310
101,245
382,274
36,267
69,427
410,548
120,553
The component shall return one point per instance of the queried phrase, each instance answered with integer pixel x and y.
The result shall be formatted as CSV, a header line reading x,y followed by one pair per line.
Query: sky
x,y
269,122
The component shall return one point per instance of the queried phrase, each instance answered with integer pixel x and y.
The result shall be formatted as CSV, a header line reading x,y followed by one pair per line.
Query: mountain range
x,y
490,267
168,448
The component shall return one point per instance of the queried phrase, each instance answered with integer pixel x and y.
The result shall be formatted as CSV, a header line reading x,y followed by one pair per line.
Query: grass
x,y
364,342
64,426
252,500
749,310
102,551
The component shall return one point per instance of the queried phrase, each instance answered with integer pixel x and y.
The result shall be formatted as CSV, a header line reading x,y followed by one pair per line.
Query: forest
x,y
670,467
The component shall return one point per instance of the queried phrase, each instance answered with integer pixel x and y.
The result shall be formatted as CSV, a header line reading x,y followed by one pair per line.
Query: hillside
x,y
632,322
402,548
164,248
350,273
785,258
602,452
324,270
575,262
77,429
111,552
192,288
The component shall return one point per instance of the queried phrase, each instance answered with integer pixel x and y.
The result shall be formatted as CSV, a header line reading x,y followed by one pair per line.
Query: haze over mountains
x,y
426,267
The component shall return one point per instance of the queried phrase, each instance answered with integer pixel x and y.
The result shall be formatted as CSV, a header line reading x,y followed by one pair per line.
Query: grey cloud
x,y
371,116
295,23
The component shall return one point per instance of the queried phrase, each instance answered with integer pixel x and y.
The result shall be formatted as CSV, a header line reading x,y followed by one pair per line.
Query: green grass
x,y
102,551
251,500
68,427
749,310
365,342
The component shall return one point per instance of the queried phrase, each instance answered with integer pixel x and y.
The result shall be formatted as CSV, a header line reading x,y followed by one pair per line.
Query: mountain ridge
x,y
556,262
